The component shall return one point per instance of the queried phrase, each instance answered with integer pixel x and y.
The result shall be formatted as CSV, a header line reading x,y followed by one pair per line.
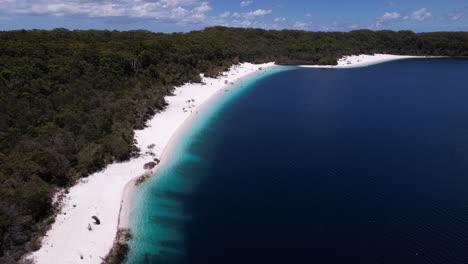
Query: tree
x,y
36,197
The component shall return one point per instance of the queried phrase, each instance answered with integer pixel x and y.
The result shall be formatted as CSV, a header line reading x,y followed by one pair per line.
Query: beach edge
x,y
93,246
357,61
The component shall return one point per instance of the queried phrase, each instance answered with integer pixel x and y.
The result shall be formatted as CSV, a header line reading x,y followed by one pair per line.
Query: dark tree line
x,y
70,100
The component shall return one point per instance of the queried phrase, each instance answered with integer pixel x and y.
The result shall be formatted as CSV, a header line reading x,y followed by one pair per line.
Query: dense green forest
x,y
70,100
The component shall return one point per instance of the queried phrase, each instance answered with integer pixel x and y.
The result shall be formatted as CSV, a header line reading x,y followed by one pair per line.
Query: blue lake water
x,y
364,165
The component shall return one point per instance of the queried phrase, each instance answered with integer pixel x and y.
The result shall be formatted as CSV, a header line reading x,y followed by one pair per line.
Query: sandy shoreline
x,y
107,194
365,60
130,188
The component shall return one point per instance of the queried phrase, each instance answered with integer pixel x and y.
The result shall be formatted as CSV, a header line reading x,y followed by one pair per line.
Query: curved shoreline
x,y
108,193
74,238
131,187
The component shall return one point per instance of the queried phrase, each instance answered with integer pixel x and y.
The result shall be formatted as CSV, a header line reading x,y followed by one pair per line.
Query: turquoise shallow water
x,y
158,213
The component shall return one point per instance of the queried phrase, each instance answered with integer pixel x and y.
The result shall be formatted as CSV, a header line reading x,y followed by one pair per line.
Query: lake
x,y
363,165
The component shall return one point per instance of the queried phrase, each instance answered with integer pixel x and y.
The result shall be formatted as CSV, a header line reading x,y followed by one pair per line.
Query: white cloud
x,y
252,14
301,25
280,19
246,3
165,11
421,15
258,12
457,14
225,14
386,19
389,17
308,15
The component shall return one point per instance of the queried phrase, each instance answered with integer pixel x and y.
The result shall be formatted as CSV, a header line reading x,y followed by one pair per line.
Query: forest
x,y
70,100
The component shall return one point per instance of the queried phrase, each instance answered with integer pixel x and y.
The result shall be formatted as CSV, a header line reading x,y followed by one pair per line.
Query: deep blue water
x,y
364,165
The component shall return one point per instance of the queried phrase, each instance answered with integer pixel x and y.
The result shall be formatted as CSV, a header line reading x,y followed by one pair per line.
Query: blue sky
x,y
186,15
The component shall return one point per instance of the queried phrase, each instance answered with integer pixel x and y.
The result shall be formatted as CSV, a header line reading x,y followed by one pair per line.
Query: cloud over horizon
x,y
195,14
258,12
421,15
391,18
165,11
457,14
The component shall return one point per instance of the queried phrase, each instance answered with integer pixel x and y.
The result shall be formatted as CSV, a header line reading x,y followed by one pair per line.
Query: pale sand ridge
x,y
365,60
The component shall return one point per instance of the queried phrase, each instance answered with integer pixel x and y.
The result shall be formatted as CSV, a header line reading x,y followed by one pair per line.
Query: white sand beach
x,y
364,60
69,240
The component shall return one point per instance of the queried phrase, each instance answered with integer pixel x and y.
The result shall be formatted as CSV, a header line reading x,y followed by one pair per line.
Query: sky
x,y
187,15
